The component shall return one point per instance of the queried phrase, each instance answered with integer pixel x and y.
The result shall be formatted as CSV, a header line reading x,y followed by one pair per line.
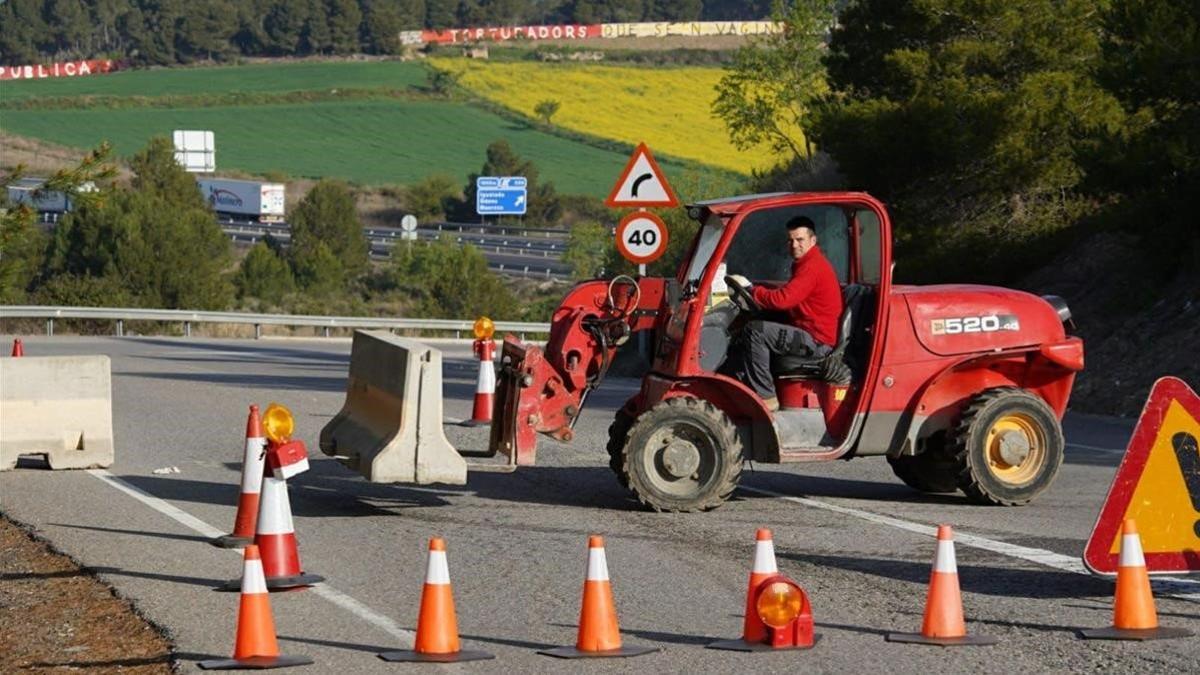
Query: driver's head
x,y
802,236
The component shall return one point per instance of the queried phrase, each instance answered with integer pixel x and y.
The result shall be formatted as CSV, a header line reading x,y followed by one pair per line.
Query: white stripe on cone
x,y
288,470
943,560
1131,551
437,572
486,384
252,465
597,565
275,512
253,579
764,557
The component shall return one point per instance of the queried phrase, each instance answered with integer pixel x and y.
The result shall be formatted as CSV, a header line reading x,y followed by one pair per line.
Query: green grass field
x,y
370,142
382,140
256,78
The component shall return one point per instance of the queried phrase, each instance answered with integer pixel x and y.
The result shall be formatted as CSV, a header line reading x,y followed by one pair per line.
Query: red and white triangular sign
x,y
1157,485
642,183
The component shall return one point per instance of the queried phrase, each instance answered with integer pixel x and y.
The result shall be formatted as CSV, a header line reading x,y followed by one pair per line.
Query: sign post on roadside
x,y
641,235
501,195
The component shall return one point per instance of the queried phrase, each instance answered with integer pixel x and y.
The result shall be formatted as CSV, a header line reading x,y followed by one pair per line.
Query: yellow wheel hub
x,y
1016,448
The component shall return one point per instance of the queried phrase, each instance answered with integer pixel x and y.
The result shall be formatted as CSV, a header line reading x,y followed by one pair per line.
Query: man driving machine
x,y
811,302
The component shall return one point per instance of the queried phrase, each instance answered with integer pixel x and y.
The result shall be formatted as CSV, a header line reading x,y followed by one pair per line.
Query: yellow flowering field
x,y
668,108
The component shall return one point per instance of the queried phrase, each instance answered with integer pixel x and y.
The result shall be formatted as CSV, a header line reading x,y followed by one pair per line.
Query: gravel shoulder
x,y
55,615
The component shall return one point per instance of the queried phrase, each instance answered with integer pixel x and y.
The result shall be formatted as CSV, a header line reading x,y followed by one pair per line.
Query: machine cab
x,y
820,398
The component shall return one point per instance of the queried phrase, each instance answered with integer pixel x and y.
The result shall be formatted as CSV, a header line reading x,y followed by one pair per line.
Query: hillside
x,y
371,122
1134,332
669,108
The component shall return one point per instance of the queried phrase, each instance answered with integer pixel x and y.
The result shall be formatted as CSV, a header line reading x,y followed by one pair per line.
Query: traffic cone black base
x,y
230,541
409,656
964,641
277,583
740,645
1111,633
256,663
573,653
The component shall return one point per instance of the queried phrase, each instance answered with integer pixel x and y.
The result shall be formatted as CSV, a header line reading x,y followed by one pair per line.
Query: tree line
x,y
998,132
153,242
166,32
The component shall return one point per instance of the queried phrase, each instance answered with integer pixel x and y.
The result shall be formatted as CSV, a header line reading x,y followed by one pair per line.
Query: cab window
x,y
869,249
759,250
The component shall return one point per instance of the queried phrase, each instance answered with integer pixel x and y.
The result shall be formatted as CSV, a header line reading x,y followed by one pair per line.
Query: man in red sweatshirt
x,y
812,303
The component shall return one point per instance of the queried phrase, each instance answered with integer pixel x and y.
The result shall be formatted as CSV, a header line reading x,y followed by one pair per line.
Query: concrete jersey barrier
x,y
390,427
58,406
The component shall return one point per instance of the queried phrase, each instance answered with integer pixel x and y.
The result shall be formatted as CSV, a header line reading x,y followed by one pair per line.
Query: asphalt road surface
x,y
858,540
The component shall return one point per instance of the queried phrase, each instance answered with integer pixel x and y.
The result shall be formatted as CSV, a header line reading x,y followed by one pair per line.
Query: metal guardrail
x,y
187,317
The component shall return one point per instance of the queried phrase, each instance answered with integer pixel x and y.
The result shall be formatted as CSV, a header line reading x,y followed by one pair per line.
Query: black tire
x,y
618,433
684,454
931,471
992,469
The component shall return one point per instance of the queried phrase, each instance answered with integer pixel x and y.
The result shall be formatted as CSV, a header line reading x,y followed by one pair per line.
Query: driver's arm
x,y
786,296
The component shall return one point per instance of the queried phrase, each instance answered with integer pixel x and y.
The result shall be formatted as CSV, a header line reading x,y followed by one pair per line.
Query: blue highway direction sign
x,y
500,195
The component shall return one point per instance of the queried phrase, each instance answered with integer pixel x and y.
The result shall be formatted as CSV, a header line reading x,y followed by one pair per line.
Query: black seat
x,y
831,367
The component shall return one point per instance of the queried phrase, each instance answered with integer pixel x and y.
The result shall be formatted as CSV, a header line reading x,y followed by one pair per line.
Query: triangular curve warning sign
x,y
1158,485
642,183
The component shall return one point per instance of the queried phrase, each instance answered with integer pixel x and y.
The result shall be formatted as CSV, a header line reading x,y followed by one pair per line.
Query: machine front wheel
x,y
684,454
1008,445
618,434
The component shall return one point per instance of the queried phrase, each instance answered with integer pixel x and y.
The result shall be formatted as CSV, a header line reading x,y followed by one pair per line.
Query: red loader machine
x,y
961,387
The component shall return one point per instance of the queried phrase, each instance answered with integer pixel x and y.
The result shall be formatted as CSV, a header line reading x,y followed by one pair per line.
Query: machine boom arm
x,y
543,390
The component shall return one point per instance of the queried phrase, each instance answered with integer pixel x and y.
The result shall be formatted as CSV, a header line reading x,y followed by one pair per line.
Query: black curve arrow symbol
x,y
638,181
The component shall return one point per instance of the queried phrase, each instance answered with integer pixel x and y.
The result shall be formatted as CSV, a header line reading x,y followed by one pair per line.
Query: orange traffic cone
x,y
753,630
255,645
598,631
437,625
943,624
252,474
276,539
485,384
1134,616
18,348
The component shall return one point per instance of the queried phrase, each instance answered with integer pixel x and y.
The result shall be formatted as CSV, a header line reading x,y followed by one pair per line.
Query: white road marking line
x,y
1096,448
325,591
1184,589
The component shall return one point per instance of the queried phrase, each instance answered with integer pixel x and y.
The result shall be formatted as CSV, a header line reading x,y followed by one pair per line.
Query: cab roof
x,y
727,206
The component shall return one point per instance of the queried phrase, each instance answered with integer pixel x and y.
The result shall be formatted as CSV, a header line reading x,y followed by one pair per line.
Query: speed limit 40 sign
x,y
641,237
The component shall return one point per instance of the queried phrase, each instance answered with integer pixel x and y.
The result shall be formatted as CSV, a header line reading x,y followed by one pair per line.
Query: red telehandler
x,y
961,387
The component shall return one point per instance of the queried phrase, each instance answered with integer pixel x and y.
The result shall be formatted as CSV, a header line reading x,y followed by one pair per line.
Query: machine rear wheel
x,y
1008,446
618,434
684,454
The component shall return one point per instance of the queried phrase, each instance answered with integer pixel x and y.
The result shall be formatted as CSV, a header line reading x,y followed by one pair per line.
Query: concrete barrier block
x,y
57,406
390,427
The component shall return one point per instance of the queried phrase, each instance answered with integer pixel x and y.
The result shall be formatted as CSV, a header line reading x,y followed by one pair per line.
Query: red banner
x,y
67,69
556,32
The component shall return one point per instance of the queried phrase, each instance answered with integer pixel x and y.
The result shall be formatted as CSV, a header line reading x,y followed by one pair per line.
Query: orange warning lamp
x,y
484,328
784,608
285,457
278,423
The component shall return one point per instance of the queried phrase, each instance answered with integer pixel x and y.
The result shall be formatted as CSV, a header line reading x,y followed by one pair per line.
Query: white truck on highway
x,y
256,200
25,191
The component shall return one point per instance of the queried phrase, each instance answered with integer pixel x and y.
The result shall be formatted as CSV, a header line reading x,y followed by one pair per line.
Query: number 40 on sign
x,y
641,237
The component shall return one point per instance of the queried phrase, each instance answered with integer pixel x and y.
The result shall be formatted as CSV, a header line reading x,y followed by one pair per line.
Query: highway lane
x,y
505,257
517,542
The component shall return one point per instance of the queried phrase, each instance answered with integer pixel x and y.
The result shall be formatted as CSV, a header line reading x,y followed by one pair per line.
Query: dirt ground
x,y
55,616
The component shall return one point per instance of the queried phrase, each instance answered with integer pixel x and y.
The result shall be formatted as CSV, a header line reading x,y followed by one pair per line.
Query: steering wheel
x,y
741,296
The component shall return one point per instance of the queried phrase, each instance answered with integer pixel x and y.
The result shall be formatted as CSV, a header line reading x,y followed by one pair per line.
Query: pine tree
x,y
325,226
